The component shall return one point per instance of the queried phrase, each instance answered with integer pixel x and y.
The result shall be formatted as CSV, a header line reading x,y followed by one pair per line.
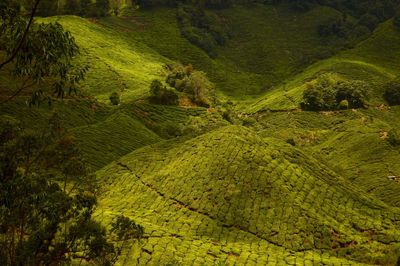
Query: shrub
x,y
328,94
249,122
392,92
198,87
344,104
394,138
115,98
291,142
162,95
191,82
354,93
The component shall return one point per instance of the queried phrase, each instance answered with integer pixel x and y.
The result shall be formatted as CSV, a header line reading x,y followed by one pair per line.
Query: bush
x,y
328,94
394,138
191,82
291,142
344,104
392,92
115,98
162,95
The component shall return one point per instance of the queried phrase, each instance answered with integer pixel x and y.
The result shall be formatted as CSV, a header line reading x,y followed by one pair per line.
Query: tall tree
x,y
38,53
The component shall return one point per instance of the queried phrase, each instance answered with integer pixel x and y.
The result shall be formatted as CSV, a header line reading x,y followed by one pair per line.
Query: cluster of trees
x,y
95,8
47,193
328,94
201,28
47,198
184,81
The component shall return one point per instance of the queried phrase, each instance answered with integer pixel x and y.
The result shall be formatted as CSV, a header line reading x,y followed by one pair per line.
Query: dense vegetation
x,y
216,132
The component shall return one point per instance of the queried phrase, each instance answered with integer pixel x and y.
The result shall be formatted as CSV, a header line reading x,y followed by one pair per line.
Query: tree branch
x,y
15,52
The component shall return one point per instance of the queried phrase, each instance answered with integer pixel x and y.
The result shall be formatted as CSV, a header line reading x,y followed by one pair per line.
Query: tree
x,y
47,198
392,92
114,98
161,94
326,93
38,54
72,7
85,7
192,82
103,6
47,8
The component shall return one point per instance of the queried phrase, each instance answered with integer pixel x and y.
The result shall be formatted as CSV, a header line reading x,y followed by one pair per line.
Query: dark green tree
x,y
103,6
115,98
392,92
160,94
72,7
47,198
38,54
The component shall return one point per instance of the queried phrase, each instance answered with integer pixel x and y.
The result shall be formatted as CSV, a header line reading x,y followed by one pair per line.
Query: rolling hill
x,y
275,185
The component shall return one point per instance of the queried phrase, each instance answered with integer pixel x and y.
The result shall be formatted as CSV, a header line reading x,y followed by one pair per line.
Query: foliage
x,y
202,28
396,21
392,92
103,6
47,8
336,26
41,54
47,198
394,138
328,94
72,7
125,228
162,95
115,98
191,82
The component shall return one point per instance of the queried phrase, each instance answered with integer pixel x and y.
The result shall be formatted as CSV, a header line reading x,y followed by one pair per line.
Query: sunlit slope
x,y
375,60
267,44
117,63
353,143
108,140
231,196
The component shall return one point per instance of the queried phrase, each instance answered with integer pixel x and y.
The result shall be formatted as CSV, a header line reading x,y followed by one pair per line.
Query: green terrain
x,y
274,185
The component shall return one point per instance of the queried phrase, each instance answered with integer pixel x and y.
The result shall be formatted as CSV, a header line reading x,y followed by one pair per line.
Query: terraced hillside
x,y
232,197
253,180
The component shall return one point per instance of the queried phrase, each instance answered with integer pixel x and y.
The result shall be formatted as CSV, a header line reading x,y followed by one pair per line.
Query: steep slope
x,y
231,196
117,63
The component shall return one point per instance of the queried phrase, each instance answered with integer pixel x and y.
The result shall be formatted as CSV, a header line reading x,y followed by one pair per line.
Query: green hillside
x,y
375,60
243,191
251,178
